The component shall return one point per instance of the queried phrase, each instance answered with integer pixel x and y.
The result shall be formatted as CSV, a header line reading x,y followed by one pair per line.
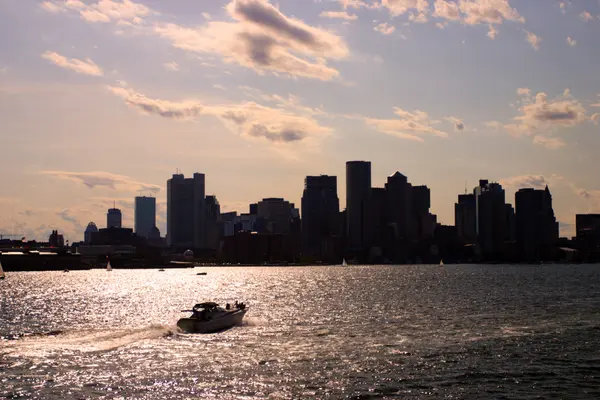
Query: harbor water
x,y
357,332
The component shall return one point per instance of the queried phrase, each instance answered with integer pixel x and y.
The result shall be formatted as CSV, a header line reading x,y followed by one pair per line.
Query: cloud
x,y
206,16
586,16
459,125
571,42
526,181
171,66
447,10
399,7
548,142
524,92
184,110
492,32
488,12
409,125
250,119
104,11
384,29
87,67
263,39
533,39
339,15
220,87
104,179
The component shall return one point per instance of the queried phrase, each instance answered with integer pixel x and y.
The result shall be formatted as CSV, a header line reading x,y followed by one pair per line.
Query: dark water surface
x,y
514,332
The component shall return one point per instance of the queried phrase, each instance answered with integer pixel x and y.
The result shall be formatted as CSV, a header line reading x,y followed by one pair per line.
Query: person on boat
x,y
236,305
227,307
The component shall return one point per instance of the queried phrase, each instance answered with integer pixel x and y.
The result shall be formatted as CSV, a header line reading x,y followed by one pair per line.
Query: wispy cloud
x,y
171,66
586,16
338,15
571,42
526,181
409,125
86,67
104,179
384,28
125,11
264,39
533,39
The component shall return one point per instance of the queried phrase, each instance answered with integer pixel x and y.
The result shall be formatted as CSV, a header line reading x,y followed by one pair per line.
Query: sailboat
x,y
344,263
441,262
108,267
2,274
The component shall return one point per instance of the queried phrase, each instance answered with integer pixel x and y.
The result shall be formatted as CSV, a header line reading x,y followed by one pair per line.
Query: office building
x,y
492,231
145,215
537,229
320,215
358,193
114,218
400,207
212,225
465,218
185,211
89,230
278,215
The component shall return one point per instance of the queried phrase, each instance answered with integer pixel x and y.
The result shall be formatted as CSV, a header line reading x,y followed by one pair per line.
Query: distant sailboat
x,y
108,267
441,263
2,274
344,263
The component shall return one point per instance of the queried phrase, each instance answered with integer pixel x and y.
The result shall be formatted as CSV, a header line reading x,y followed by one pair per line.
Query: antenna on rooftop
x,y
465,187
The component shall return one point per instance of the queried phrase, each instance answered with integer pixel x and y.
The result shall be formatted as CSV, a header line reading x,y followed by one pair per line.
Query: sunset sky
x,y
104,100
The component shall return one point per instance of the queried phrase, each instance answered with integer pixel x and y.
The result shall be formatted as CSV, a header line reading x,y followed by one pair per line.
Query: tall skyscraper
x,y
114,218
89,230
537,229
400,206
492,231
185,211
358,193
465,218
212,210
145,215
320,214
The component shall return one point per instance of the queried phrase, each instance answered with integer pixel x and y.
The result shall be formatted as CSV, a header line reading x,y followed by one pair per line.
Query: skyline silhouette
x,y
104,99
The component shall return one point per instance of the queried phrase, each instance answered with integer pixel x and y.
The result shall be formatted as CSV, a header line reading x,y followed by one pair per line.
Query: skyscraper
x,y
185,211
145,215
537,229
212,211
277,214
465,218
320,214
358,193
400,207
492,232
114,218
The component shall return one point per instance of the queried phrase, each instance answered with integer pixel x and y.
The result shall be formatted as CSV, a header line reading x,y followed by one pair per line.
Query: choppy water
x,y
314,332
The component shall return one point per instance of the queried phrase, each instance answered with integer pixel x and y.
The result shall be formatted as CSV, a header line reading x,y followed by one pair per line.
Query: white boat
x,y
344,263
441,263
209,317
108,267
2,274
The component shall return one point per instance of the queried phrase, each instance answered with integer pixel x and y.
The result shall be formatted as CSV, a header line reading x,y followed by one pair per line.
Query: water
x,y
518,332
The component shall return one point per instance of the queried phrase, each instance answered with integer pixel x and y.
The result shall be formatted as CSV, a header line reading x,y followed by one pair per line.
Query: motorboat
x,y
209,317
201,273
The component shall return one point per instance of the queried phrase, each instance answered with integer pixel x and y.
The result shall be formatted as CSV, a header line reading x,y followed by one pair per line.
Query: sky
x,y
103,100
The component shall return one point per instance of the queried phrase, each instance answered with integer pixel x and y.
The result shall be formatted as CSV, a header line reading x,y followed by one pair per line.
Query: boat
x,y
209,317
161,270
2,274
441,263
344,263
108,267
201,273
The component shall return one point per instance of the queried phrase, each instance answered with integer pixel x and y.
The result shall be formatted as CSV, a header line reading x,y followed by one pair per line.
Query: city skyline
x,y
505,91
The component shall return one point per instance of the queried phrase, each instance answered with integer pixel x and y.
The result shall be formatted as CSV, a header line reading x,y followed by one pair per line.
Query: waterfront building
x,y
114,218
465,218
185,211
145,215
278,215
320,215
492,230
537,229
358,193
89,230
400,207
212,224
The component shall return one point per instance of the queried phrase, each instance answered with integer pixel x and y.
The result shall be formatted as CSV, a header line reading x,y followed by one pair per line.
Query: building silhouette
x,y
212,223
537,229
145,215
278,215
492,230
89,230
185,211
358,193
320,216
114,218
400,207
587,228
465,218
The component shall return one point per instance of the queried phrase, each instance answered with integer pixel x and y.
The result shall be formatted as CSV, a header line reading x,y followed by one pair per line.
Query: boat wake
x,y
82,341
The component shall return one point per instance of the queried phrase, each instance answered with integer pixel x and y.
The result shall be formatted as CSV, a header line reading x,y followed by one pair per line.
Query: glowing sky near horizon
x,y
102,100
